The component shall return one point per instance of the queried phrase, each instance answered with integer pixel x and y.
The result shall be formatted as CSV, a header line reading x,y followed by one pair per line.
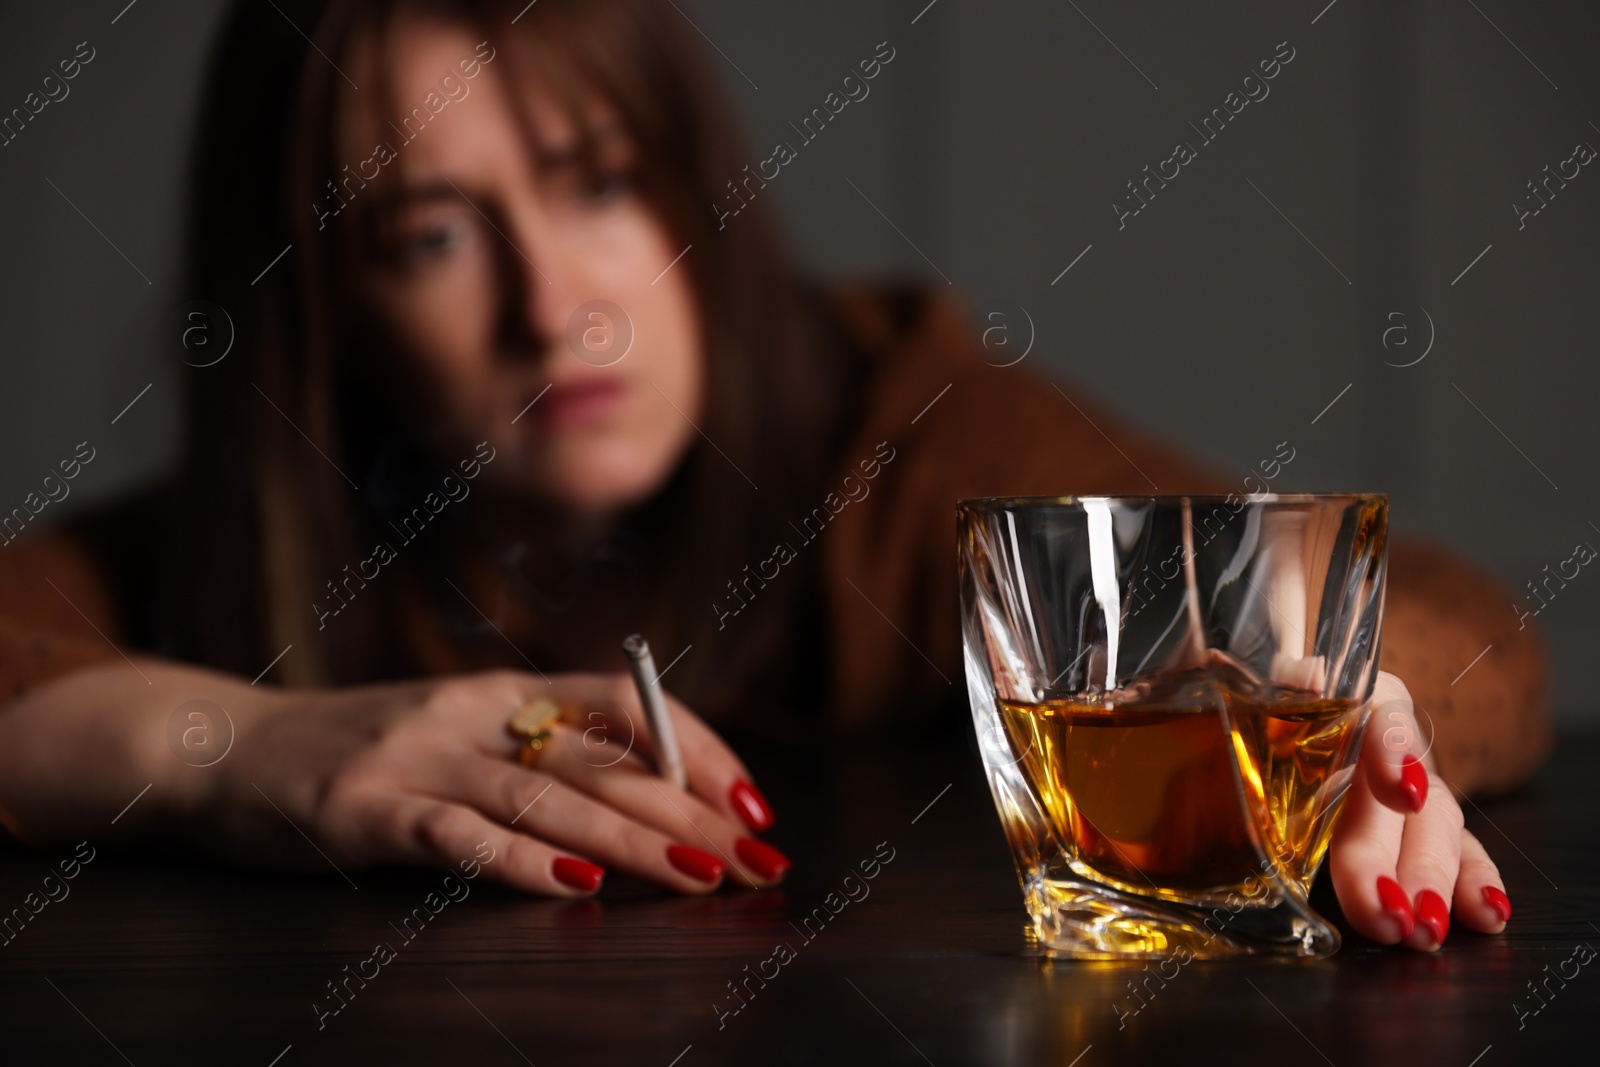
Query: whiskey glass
x,y
1169,694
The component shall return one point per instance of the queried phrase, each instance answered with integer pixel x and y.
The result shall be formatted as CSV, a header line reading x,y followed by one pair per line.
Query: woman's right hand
x,y
424,772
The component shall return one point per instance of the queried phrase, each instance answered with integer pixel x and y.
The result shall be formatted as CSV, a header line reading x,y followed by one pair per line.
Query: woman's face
x,y
529,302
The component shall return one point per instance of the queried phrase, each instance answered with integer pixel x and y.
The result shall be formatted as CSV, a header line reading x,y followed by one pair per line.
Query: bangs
x,y
581,58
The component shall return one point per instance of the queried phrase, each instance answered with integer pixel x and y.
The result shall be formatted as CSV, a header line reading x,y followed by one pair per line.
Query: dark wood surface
x,y
172,960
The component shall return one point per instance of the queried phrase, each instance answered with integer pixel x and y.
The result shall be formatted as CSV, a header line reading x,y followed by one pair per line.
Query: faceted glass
x,y
1170,694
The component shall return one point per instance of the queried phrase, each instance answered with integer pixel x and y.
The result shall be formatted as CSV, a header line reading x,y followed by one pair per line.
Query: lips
x,y
577,402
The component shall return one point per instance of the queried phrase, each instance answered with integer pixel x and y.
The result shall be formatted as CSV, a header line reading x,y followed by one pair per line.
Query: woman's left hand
x,y
1401,860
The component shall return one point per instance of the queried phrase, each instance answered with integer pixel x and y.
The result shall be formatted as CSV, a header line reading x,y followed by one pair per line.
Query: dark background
x,y
1227,315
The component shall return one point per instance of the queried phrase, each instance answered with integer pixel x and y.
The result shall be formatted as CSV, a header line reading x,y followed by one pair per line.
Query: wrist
x,y
196,750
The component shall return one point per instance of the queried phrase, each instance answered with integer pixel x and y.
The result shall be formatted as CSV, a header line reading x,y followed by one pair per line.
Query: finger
x,y
630,787
425,830
603,708
1393,748
1366,844
1430,857
542,806
1480,901
714,773
479,707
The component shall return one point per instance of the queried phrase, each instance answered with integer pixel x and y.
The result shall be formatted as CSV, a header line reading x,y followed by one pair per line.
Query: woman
x,y
516,389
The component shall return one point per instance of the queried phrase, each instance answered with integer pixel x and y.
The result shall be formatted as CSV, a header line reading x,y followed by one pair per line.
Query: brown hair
x,y
265,519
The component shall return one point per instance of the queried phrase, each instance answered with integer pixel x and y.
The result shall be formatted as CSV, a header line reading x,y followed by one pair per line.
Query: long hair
x,y
284,446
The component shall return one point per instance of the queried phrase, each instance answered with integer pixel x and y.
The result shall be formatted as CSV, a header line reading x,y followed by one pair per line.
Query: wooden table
x,y
175,960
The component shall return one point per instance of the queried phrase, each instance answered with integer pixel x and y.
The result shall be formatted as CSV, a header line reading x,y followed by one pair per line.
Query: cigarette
x,y
669,761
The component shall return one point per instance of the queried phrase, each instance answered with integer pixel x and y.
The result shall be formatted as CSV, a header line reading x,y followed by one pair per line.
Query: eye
x,y
432,241
606,186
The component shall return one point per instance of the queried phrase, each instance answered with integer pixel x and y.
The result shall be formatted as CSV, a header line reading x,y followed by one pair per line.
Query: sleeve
x,y
56,612
1479,681
892,578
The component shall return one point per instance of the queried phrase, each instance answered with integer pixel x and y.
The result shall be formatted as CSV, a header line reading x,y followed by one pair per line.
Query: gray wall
x,y
1391,149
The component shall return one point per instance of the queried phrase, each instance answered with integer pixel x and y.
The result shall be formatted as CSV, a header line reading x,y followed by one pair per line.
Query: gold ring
x,y
532,725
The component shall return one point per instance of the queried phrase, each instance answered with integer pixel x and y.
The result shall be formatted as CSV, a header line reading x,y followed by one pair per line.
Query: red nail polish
x,y
1432,913
576,873
1498,901
701,866
1393,901
762,858
751,805
1414,780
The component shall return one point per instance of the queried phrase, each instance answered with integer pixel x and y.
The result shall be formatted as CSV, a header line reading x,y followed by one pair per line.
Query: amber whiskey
x,y
1189,783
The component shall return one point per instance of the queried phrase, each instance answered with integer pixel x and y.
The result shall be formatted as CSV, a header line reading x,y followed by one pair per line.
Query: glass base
x,y
1079,919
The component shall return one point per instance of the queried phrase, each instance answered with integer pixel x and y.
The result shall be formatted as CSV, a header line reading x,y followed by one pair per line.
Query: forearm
x,y
76,751
1479,681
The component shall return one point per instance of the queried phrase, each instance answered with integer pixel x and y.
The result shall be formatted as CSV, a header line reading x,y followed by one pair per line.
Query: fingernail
x,y
1498,901
762,858
1414,780
701,866
576,873
1432,913
751,805
1393,901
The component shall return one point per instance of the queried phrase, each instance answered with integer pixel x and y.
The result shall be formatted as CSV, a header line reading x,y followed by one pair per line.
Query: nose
x,y
547,281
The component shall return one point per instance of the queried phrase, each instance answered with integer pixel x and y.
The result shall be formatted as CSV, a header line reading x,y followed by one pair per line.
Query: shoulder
x,y
988,422
99,567
941,423
886,318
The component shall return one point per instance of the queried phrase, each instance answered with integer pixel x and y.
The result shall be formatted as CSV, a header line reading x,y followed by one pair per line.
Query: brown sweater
x,y
941,424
